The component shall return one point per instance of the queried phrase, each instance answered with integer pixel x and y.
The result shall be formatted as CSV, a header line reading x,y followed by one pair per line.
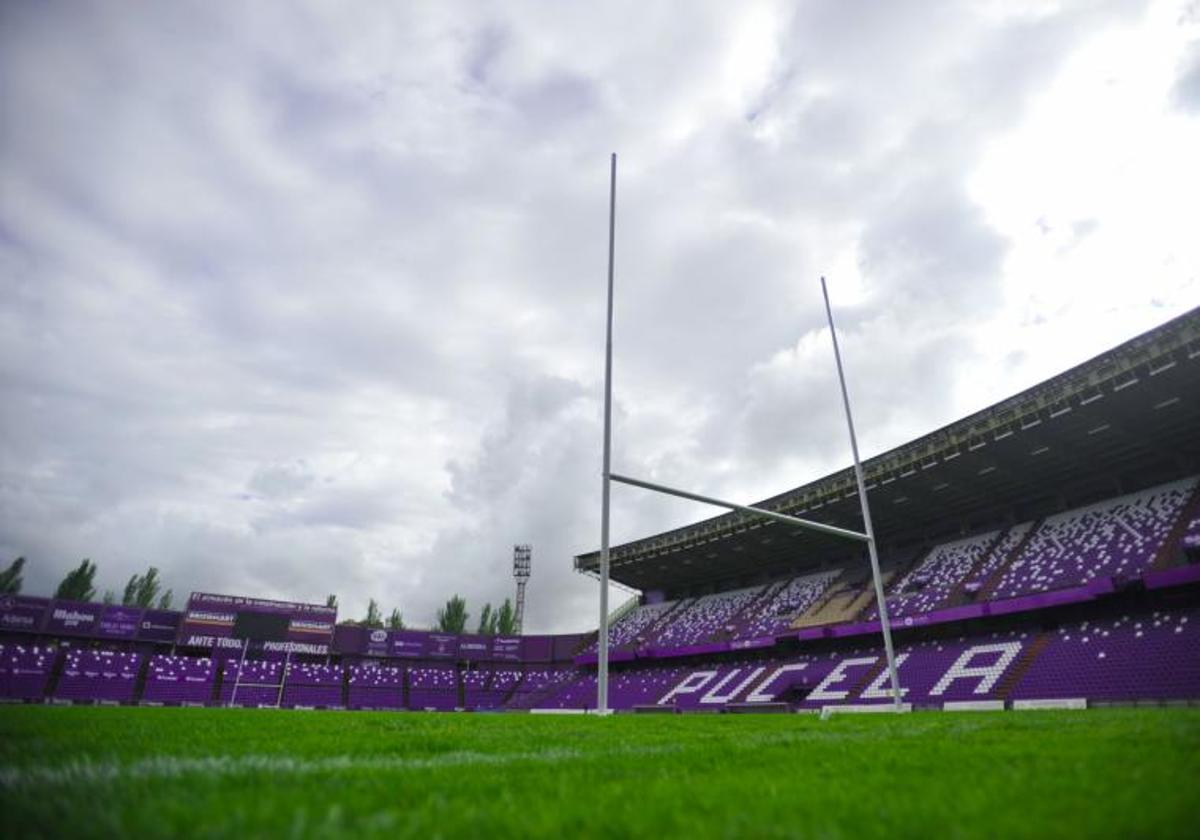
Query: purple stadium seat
x,y
375,686
25,670
1119,537
102,676
175,680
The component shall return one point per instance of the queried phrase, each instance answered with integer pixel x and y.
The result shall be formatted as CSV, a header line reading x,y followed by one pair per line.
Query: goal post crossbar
x,y
757,511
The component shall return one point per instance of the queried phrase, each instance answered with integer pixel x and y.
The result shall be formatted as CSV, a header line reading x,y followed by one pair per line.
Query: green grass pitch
x,y
146,772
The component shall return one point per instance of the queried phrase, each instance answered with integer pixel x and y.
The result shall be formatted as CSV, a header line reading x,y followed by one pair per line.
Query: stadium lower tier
x,y
1123,657
1142,652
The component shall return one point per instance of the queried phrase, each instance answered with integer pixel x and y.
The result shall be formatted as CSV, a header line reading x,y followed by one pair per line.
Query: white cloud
x,y
294,301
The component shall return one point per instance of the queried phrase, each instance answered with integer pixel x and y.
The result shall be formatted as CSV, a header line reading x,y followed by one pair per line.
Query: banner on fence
x,y
210,622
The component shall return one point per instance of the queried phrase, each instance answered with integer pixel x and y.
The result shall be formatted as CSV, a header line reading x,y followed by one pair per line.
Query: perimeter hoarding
x,y
159,625
22,613
474,648
376,642
441,646
506,648
119,622
209,623
537,648
427,644
407,644
73,618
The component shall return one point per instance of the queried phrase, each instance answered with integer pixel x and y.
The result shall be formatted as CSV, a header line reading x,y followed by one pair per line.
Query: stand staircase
x,y
139,682
1170,552
989,586
958,594
1025,660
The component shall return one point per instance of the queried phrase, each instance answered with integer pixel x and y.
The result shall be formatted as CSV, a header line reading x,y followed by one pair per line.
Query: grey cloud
x,y
1186,90
282,480
294,301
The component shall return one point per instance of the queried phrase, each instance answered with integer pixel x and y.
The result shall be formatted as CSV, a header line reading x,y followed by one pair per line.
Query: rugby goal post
x,y
866,536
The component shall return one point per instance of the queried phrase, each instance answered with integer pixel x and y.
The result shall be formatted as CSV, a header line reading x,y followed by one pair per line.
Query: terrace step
x,y
650,634
512,689
139,682
554,688
870,676
902,570
993,581
587,641
866,599
829,608
958,595
749,609
56,669
1025,660
218,679
1170,553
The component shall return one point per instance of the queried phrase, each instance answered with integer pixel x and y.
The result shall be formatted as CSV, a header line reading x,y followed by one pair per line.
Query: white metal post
x,y
751,509
287,659
602,647
237,679
884,624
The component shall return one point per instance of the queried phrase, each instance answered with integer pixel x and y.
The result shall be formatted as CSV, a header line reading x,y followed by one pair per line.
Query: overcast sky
x,y
308,298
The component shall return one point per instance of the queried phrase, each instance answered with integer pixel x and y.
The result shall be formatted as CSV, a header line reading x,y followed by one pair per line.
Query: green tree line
x,y
79,584
146,590
452,618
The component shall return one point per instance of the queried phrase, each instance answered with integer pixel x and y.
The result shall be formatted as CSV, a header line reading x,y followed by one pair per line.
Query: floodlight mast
x,y
522,555
602,647
884,624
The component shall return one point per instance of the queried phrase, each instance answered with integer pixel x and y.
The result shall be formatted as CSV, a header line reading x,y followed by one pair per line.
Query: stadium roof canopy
x,y
1127,419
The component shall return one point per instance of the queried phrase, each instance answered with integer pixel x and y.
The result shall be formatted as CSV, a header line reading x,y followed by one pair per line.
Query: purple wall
x,y
159,625
71,618
22,613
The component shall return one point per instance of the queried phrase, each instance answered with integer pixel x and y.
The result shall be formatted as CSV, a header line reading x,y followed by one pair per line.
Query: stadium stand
x,y
179,680
789,600
487,689
1122,658
25,670
634,626
375,686
312,686
845,601
1115,537
260,683
102,676
705,617
1127,658
433,688
538,684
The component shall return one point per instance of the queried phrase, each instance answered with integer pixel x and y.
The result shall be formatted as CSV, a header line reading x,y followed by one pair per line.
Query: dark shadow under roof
x,y
1126,419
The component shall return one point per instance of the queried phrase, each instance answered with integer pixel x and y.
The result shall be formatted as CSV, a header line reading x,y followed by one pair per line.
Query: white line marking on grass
x,y
86,771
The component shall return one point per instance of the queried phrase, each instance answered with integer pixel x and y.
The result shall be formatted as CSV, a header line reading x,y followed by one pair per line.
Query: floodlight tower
x,y
521,557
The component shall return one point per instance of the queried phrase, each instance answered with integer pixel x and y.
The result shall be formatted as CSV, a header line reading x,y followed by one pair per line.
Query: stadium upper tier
x,y
1114,543
1126,420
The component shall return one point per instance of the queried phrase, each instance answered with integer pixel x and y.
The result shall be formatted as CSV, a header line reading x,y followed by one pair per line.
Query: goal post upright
x,y
881,601
602,646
